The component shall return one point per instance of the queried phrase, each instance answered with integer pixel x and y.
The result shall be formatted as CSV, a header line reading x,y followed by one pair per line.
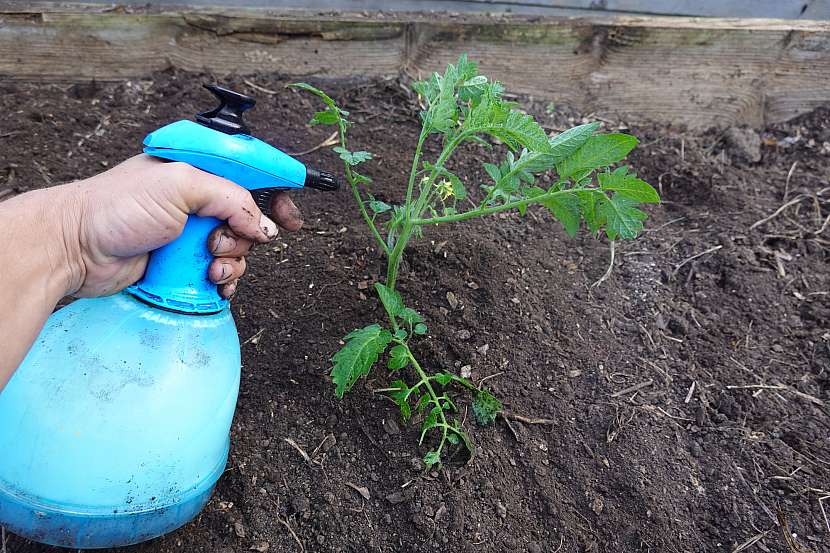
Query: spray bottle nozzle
x,y
321,180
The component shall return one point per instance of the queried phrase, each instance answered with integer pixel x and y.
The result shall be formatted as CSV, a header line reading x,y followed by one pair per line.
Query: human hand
x,y
113,220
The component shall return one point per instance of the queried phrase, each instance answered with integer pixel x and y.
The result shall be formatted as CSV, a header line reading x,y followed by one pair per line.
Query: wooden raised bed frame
x,y
699,72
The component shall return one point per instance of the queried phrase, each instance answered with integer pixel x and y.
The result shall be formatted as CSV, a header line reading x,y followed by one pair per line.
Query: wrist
x,y
65,210
52,227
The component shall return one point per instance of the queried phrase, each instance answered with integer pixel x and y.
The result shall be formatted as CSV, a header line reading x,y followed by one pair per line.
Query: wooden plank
x,y
781,9
700,72
649,70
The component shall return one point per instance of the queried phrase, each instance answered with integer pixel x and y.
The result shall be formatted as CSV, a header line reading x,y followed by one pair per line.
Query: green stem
x,y
430,390
395,255
394,261
489,210
341,126
414,171
359,199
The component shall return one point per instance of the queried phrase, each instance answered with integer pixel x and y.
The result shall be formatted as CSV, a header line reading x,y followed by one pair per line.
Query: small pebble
x,y
391,427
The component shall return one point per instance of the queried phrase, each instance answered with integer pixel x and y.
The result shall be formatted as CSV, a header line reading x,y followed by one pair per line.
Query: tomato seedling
x,y
569,174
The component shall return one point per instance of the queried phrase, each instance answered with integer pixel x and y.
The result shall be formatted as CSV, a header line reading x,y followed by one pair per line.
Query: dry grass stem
x,y
609,270
260,88
330,141
300,450
697,255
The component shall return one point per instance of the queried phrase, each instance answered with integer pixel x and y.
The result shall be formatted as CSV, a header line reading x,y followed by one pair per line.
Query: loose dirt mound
x,y
689,391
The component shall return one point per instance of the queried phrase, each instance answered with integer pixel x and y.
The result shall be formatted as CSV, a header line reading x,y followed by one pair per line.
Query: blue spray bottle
x,y
115,428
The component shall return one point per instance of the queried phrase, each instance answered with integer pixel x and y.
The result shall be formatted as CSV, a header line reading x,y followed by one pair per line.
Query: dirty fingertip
x,y
269,227
229,289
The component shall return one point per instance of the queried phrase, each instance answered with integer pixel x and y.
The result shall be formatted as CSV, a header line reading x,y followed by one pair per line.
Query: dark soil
x,y
719,329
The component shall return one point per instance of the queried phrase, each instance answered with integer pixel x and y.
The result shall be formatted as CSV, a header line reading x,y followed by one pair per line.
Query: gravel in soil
x,y
689,390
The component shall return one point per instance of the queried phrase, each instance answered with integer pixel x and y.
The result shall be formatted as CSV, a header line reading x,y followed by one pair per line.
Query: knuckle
x,y
184,173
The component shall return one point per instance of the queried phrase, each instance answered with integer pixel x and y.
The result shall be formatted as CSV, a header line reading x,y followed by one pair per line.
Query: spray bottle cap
x,y
227,118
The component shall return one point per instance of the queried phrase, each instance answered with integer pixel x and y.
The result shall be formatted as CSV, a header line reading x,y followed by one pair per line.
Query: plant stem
x,y
414,171
341,126
489,210
430,390
363,211
394,257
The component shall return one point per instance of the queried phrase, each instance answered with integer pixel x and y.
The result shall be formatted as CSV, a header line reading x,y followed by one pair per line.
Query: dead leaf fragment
x,y
597,505
362,490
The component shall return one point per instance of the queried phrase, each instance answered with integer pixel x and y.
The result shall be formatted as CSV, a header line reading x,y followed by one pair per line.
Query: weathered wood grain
x,y
696,71
784,9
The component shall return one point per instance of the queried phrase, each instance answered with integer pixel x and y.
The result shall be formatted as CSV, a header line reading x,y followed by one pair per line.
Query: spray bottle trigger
x,y
263,196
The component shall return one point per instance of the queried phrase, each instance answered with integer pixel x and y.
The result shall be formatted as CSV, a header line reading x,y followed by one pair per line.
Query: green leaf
x,y
493,171
378,206
561,146
486,407
588,204
628,186
410,316
390,299
473,88
622,218
400,334
466,69
566,208
316,91
598,151
496,117
458,189
420,328
327,117
360,179
440,92
565,144
398,358
352,158
432,458
430,421
401,398
443,378
356,358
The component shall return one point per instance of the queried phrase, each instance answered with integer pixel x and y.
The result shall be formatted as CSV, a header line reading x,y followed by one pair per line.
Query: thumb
x,y
208,195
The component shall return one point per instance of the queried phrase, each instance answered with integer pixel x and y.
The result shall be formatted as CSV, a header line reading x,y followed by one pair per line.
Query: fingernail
x,y
230,289
226,271
224,244
269,227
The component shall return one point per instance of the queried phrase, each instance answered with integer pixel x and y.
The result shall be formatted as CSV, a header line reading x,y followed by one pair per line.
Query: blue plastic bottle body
x,y
116,426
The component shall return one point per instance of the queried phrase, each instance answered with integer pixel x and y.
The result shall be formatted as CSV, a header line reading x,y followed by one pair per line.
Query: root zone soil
x,y
689,391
